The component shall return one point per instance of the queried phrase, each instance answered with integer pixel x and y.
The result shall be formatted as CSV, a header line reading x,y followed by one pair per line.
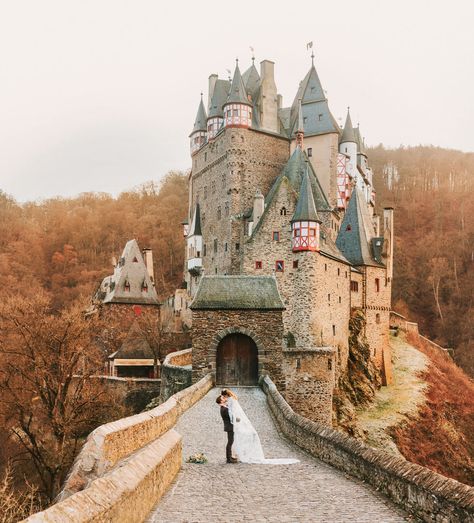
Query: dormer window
x,y
135,259
144,286
126,286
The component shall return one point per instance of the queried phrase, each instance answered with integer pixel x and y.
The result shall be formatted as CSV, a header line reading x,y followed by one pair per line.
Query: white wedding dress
x,y
247,444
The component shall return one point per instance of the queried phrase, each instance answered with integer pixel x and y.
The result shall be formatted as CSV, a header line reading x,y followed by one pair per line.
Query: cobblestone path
x,y
309,491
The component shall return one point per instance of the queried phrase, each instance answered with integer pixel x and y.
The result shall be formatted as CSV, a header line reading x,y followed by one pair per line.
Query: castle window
x,y
305,119
348,228
279,266
229,113
295,264
354,286
312,232
135,259
325,266
258,264
205,157
346,274
329,297
126,286
333,330
283,211
339,299
320,117
338,272
297,233
276,236
215,245
377,318
144,286
310,152
377,285
237,246
329,364
204,250
225,247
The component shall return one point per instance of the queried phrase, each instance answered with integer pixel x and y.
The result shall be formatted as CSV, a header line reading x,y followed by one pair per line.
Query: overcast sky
x,y
100,95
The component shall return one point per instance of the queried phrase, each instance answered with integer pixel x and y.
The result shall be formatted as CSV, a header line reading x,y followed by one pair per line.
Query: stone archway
x,y
237,360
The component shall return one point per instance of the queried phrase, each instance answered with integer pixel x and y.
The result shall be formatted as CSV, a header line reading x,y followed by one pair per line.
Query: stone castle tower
x,y
282,240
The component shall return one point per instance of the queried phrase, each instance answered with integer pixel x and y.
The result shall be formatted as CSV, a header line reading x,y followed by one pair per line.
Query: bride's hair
x,y
228,393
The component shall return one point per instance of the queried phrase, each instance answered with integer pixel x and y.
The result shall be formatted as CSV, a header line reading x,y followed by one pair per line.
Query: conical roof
x,y
348,133
200,123
219,96
305,208
357,232
238,93
251,80
195,229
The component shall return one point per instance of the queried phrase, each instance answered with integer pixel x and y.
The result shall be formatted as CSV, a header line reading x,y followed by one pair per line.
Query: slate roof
x,y
305,208
237,292
135,346
348,132
358,140
195,229
130,269
219,96
200,124
356,233
251,80
238,93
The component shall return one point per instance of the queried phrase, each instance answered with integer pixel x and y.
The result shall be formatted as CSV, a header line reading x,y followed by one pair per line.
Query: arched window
x,y
283,211
377,318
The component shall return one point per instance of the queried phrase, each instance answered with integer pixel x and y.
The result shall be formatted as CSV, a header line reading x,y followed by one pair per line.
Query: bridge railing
x,y
125,466
422,492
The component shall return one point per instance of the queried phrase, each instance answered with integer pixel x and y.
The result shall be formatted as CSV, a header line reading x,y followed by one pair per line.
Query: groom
x,y
228,427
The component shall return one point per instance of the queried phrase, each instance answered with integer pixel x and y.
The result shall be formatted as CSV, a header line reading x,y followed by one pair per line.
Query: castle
x,y
282,240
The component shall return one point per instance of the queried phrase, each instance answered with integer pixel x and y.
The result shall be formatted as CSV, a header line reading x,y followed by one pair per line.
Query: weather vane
x,y
253,53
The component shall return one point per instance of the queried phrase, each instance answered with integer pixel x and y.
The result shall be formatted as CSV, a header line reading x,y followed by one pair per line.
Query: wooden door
x,y
237,361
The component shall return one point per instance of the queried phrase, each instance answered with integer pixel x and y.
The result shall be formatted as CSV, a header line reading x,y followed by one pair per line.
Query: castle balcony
x,y
195,265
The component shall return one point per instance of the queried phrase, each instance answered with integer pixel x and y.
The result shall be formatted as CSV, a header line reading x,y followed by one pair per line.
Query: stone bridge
x,y
134,470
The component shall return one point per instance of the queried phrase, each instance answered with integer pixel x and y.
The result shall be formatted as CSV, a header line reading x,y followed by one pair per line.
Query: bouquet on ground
x,y
200,458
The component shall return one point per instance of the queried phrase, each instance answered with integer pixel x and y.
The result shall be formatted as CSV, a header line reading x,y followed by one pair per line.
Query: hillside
x,y
427,414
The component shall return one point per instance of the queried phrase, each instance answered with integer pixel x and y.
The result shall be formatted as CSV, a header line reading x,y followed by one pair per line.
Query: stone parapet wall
x,y
420,491
126,493
113,442
176,373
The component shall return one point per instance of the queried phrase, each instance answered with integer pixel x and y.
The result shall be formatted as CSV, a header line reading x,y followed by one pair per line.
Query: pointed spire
x,y
348,133
195,229
238,93
305,208
201,118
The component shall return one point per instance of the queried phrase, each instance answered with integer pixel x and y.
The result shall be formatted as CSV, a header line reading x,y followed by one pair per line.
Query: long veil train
x,y
247,444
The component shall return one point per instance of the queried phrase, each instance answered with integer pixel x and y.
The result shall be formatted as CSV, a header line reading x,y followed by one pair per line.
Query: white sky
x,y
100,95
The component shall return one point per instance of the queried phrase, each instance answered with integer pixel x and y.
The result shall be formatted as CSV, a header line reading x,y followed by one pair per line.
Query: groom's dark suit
x,y
229,428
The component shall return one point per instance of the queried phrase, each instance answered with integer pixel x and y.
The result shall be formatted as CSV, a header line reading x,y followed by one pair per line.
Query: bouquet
x,y
200,458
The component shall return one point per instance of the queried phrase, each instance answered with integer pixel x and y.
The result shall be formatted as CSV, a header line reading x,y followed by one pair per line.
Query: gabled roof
x,y
135,346
200,123
251,80
219,96
305,208
130,272
348,133
238,93
195,229
237,292
356,233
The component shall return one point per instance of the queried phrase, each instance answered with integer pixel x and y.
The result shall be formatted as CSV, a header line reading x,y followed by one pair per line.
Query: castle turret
x,y
299,132
194,243
218,92
348,146
237,108
198,135
305,223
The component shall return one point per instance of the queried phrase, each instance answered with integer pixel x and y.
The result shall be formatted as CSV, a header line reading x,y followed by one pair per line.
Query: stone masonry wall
x,y
429,496
176,373
315,293
225,176
264,327
310,382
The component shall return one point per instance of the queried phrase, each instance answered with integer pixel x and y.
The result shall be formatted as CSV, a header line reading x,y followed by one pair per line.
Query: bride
x,y
247,444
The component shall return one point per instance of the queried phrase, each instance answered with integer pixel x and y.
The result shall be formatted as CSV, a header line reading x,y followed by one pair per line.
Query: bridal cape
x,y
247,444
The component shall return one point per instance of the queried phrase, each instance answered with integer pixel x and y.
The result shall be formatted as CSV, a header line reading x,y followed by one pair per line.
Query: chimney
x,y
268,97
279,101
212,85
148,258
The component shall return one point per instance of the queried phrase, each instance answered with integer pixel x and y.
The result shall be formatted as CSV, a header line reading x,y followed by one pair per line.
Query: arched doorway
x,y
237,361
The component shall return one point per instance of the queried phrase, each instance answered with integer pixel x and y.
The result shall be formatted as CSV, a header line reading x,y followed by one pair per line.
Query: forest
x,y
54,253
